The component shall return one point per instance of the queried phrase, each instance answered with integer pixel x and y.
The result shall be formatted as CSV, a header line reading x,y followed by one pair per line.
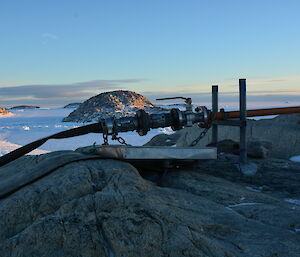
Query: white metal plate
x,y
157,152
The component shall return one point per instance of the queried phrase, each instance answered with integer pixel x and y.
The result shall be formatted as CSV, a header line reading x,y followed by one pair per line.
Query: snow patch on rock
x,y
295,158
293,201
242,204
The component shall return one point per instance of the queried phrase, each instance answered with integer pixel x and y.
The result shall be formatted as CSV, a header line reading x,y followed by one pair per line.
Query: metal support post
x,y
215,109
243,121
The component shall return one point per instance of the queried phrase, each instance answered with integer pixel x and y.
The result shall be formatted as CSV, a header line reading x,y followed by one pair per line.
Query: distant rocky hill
x,y
115,103
21,107
4,112
72,105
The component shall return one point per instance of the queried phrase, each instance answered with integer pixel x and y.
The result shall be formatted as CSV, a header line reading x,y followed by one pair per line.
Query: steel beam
x,y
215,109
243,121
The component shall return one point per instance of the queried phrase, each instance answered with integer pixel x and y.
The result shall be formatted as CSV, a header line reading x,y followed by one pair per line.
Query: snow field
x,y
30,125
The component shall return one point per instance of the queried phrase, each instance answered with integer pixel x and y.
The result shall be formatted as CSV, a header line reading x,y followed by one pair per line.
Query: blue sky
x,y
69,50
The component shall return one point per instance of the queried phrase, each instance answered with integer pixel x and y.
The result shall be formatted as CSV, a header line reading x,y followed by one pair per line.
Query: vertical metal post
x,y
215,109
243,121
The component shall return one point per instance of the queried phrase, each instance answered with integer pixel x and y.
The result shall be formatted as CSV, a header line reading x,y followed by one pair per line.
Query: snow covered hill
x,y
115,103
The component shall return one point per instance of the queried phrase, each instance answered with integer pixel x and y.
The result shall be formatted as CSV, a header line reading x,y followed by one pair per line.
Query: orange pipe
x,y
258,112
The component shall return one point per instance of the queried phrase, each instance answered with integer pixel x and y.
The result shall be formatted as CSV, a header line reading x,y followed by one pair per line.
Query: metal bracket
x,y
108,126
242,122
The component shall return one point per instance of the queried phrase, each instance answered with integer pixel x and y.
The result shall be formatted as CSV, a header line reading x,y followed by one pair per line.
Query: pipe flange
x,y
204,110
143,122
177,119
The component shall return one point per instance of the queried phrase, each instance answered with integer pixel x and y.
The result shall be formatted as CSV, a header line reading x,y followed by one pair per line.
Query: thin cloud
x,y
231,93
229,97
263,81
253,83
70,91
49,36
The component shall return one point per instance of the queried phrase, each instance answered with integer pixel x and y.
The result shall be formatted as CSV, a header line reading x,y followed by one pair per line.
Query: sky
x,y
54,52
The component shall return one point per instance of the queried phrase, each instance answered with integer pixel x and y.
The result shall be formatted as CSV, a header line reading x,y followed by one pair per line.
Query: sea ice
x,y
32,124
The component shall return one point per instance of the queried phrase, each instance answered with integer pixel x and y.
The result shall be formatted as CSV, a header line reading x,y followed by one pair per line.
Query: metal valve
x,y
187,100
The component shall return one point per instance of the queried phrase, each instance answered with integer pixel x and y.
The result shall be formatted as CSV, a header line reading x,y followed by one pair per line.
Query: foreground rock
x,y
278,137
106,208
116,103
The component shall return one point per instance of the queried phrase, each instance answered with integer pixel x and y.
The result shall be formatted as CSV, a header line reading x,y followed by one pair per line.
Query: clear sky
x,y
61,51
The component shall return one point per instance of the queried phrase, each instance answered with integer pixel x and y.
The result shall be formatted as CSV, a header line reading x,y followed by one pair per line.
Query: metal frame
x,y
242,123
215,108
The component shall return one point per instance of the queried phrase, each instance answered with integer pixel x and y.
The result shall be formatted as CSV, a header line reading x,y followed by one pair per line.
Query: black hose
x,y
92,128
141,123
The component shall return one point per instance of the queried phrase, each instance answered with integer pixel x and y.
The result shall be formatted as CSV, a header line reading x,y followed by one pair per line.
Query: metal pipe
x,y
258,112
243,121
215,109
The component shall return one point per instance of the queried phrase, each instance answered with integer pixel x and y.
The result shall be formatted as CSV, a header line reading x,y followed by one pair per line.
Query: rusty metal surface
x,y
258,112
